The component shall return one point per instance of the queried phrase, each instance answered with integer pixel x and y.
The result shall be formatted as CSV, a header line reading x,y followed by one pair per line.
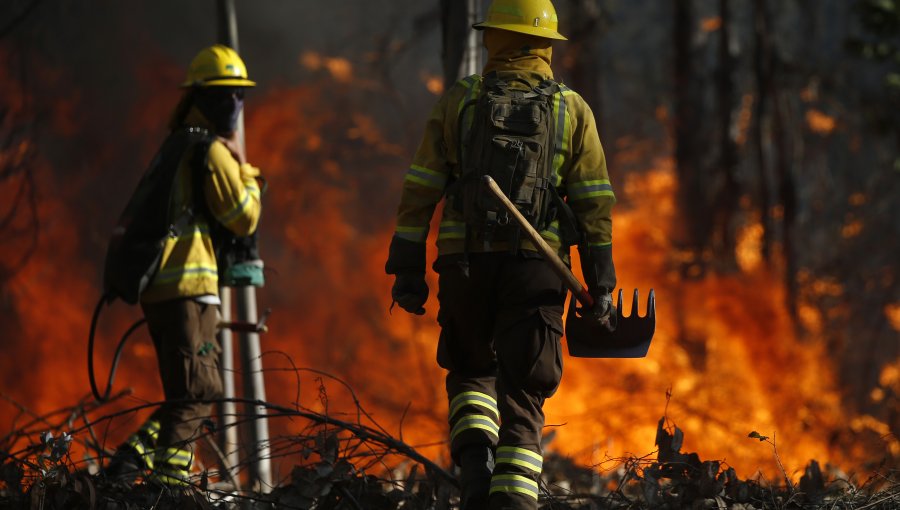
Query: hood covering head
x,y
512,51
222,106
218,111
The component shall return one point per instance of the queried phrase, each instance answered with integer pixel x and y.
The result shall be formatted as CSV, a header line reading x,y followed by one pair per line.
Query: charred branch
x,y
341,464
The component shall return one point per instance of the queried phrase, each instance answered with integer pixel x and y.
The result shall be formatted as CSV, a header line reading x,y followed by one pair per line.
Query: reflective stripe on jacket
x,y
188,267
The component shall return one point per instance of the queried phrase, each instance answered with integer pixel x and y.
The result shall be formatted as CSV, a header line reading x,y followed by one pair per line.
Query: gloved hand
x,y
410,292
603,311
600,275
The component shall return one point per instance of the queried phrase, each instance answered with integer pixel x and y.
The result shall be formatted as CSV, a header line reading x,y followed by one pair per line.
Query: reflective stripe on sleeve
x,y
235,213
520,457
473,398
426,177
551,232
475,421
514,483
452,230
414,234
590,189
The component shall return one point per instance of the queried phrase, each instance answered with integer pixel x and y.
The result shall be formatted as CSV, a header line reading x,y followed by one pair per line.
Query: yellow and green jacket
x,y
188,267
579,165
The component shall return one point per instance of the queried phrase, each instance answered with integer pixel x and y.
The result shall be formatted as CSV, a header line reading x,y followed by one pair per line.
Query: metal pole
x,y
471,63
250,351
254,389
228,410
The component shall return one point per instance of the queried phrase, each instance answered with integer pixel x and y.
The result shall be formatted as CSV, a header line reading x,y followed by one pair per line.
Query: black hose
x,y
115,363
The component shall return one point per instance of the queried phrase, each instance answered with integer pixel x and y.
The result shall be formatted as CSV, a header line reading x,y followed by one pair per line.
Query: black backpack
x,y
512,140
136,246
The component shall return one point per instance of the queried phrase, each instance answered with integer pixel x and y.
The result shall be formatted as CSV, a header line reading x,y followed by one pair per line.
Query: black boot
x,y
476,466
125,466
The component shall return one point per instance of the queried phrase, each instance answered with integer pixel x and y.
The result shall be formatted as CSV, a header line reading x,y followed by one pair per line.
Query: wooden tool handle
x,y
559,267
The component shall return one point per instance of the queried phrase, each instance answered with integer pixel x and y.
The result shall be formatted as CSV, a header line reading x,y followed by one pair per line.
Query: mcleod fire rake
x,y
586,337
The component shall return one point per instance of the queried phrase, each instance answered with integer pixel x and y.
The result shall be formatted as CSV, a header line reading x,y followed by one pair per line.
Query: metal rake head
x,y
631,338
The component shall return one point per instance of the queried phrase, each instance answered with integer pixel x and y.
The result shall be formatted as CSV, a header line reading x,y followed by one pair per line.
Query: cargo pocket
x,y
530,354
445,340
546,372
204,382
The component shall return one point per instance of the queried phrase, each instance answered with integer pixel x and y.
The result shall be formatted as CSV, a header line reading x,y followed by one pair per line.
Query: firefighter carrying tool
x,y
501,303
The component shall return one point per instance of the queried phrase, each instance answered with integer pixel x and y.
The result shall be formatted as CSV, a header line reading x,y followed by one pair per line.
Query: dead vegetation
x,y
354,464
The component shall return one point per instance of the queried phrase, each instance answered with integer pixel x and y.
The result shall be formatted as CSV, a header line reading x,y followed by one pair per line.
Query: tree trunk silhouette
x,y
581,64
762,66
695,223
727,198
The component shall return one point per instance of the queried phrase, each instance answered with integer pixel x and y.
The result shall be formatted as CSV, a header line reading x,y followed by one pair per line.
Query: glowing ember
x,y
340,68
892,312
711,24
749,243
820,122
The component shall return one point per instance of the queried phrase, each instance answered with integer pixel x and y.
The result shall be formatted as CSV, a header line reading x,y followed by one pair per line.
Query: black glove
x,y
405,257
410,292
406,260
603,311
600,276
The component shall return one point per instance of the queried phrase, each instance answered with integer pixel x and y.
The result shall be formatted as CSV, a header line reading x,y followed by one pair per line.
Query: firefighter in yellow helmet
x,y
501,304
215,194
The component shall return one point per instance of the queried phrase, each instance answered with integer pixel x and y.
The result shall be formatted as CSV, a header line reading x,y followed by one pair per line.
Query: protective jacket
x,y
579,166
188,266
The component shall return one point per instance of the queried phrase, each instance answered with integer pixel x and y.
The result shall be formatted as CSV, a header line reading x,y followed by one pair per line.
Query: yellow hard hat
x,y
532,17
217,66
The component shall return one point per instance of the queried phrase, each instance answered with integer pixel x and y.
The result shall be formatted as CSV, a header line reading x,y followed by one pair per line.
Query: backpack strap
x,y
569,233
548,88
187,215
201,141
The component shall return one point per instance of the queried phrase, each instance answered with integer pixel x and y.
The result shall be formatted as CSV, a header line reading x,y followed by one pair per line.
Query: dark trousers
x,y
500,343
187,352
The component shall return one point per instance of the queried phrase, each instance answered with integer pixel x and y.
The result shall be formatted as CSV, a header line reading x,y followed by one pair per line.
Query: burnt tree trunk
x,y
455,31
727,196
695,223
762,64
582,60
786,196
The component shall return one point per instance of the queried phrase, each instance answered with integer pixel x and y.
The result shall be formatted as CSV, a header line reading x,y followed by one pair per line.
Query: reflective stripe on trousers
x,y
143,442
172,467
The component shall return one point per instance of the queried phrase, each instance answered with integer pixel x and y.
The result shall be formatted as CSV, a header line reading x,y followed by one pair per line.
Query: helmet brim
x,y
222,82
535,31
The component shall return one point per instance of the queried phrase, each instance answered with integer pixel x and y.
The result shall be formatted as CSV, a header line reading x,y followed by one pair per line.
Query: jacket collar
x,y
511,51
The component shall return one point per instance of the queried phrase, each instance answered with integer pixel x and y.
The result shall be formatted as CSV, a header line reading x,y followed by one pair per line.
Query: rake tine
x,y
619,304
635,311
651,305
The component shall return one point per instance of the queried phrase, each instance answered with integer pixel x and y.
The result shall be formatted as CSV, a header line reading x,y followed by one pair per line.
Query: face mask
x,y
221,106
